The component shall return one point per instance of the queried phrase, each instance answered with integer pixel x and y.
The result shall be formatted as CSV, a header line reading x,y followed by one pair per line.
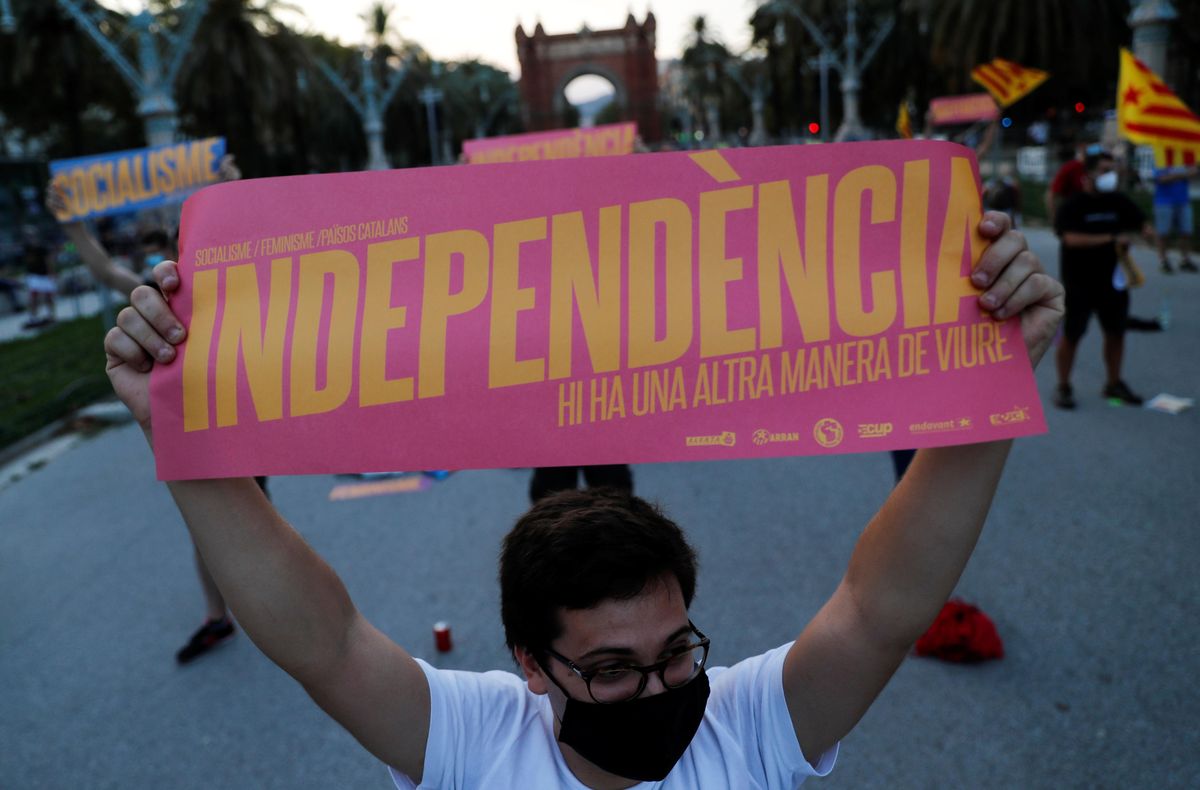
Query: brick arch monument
x,y
624,57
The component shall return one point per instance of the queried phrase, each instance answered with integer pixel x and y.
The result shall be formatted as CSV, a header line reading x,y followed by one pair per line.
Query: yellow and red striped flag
x,y
1008,81
1150,113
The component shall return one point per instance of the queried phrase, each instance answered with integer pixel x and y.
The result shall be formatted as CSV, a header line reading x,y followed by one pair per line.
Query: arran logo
x,y
763,436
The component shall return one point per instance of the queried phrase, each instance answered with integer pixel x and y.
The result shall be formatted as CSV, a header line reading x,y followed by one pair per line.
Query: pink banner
x,y
661,307
973,107
609,140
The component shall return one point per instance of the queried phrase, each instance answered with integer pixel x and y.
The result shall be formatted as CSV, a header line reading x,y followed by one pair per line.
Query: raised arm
x,y
97,260
287,599
1168,176
913,551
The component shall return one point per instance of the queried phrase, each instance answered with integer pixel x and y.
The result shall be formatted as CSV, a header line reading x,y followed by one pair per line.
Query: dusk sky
x,y
459,29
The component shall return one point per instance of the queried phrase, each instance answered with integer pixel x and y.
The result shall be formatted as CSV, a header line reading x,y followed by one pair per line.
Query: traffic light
x,y
814,128
1079,108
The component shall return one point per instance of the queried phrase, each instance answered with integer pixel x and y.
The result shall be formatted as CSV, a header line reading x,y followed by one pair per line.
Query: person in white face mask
x,y
1093,225
614,686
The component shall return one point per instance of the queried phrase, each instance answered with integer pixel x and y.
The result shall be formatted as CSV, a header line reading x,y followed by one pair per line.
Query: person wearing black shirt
x,y
1092,225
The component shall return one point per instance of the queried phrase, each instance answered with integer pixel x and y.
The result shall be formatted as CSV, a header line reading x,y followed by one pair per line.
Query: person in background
x,y
40,283
1173,214
551,479
156,246
1003,193
1068,181
1093,227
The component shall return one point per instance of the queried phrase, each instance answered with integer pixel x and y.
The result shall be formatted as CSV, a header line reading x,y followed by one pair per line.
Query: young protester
x,y
157,244
1092,226
595,589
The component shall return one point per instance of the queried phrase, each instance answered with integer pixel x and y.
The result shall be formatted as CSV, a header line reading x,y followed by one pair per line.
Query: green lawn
x,y
46,377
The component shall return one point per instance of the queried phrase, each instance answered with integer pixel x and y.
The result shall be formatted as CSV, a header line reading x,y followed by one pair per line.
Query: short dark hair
x,y
1092,161
574,550
155,237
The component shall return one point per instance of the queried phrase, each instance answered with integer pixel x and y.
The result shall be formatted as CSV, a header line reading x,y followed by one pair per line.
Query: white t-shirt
x,y
487,730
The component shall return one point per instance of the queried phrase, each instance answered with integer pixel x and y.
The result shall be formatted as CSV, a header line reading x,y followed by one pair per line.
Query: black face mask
x,y
640,739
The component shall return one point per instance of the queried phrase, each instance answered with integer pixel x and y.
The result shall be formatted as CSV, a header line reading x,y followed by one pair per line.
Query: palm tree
x,y
1075,40
480,99
378,20
240,80
704,62
82,104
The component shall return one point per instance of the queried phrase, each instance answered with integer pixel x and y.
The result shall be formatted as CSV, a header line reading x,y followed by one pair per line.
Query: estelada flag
x,y
904,122
1008,81
1150,113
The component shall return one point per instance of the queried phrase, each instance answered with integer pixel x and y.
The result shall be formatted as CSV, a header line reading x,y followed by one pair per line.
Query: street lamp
x,y
712,102
370,104
151,84
756,91
489,108
430,96
850,67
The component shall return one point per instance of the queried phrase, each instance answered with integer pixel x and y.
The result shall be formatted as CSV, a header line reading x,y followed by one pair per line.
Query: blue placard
x,y
125,181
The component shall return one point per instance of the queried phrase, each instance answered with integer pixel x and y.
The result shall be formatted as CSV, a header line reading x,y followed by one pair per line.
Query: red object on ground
x,y
441,637
962,634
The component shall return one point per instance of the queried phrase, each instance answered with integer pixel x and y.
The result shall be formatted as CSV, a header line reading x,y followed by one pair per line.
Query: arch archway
x,y
620,93
624,57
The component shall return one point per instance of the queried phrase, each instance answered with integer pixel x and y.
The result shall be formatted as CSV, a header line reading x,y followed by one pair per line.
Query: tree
x,y
82,104
705,60
240,80
480,99
1075,40
793,52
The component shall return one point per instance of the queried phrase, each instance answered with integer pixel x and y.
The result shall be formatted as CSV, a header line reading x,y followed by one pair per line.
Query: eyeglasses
x,y
622,682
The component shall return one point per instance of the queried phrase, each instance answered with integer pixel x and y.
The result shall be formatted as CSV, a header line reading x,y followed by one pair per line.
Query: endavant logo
x,y
941,426
828,432
763,436
874,430
725,439
1017,414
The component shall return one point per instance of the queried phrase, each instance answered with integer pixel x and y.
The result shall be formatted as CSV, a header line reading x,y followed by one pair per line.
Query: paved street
x,y
1087,567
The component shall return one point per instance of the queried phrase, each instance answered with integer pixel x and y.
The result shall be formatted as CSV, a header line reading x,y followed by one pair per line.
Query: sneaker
x,y
212,634
1166,267
1120,391
1064,397
1188,266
